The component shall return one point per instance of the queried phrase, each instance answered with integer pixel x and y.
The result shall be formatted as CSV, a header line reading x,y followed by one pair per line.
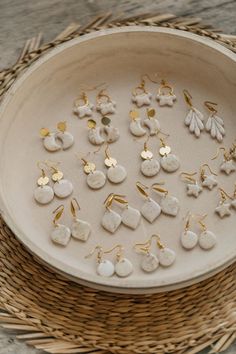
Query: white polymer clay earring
x,y
223,208
84,109
43,194
214,124
50,142
165,95
111,132
105,105
188,238
135,125
130,217
169,162
80,229
233,203
169,204
64,136
152,123
140,96
115,173
110,220
123,266
150,209
227,166
60,234
194,118
207,238
149,166
62,187
104,268
192,187
95,178
208,181
94,133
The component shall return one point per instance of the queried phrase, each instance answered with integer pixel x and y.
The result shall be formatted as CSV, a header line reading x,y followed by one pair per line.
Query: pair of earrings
x,y
194,119
193,188
111,220
150,209
79,230
62,188
225,204
227,166
150,262
150,166
189,239
136,125
165,95
122,266
54,141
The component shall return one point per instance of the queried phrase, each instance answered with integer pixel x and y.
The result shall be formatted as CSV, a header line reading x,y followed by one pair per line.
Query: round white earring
x,y
95,178
169,162
115,173
43,194
62,187
104,268
150,166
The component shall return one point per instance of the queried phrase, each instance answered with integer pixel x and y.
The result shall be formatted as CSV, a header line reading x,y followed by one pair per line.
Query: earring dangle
x,y
49,140
115,173
166,98
123,266
111,132
140,96
94,133
194,118
110,220
105,267
95,178
150,209
214,124
223,208
188,238
228,165
64,136
152,123
233,203
43,194
207,239
193,188
149,166
209,181
169,162
105,105
80,229
60,234
84,109
169,204
62,187
135,126
130,217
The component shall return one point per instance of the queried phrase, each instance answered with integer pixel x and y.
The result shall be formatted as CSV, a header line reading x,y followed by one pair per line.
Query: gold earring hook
x,y
58,211
144,247
142,189
225,154
149,78
201,223
188,98
119,252
187,217
210,105
119,198
74,202
109,200
188,176
156,187
202,171
159,243
99,253
224,195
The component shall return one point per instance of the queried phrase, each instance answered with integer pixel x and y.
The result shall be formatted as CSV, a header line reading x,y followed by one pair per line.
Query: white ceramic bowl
x,y
44,95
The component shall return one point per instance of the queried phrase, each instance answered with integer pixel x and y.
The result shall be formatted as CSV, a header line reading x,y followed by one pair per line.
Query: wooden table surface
x,y
23,19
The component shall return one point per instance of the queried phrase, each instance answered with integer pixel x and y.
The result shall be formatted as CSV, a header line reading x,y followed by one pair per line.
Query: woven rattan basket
x,y
59,316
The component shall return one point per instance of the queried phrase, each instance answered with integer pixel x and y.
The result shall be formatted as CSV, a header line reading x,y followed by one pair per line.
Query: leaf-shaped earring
x,y
194,118
104,268
49,140
43,194
214,124
135,125
94,133
112,133
110,220
84,109
169,162
140,96
150,166
65,137
115,173
188,238
130,216
61,234
208,181
80,229
169,204
105,105
166,96
150,209
193,187
227,166
223,208
123,266
152,123
62,187
95,178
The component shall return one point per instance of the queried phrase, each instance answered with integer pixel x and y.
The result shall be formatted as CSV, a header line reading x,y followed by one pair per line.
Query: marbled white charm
x,y
207,240
111,221
131,217
150,210
189,239
105,268
135,125
61,235
149,263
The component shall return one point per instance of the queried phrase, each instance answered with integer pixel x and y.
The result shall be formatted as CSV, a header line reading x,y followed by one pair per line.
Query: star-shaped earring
x,y
209,182
142,99
83,111
193,189
166,100
228,166
223,209
106,107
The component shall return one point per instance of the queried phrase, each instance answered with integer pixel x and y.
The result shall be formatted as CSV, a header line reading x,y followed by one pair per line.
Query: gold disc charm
x,y
57,176
110,161
43,181
165,150
146,154
89,167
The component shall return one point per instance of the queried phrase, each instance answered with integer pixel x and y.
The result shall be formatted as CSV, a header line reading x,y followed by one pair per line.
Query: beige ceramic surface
x,y
44,95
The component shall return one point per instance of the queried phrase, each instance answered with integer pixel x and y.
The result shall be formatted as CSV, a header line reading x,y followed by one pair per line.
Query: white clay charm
x,y
131,217
194,118
94,133
166,256
152,123
123,268
208,181
166,96
43,194
84,109
228,166
193,189
207,240
115,173
135,125
150,210
65,137
62,187
105,268
111,221
80,229
105,105
95,179
140,96
223,209
214,124
149,263
149,167
60,234
50,140
169,162
189,239
169,204
111,132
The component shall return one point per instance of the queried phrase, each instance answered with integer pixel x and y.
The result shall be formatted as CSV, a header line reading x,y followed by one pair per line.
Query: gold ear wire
x,y
108,201
188,176
58,211
187,218
102,93
99,254
119,198
210,105
144,247
188,98
119,252
159,243
149,78
142,189
156,188
107,154
72,206
224,195
202,171
226,155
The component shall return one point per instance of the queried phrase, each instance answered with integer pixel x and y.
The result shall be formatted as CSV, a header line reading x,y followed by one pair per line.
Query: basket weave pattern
x,y
60,316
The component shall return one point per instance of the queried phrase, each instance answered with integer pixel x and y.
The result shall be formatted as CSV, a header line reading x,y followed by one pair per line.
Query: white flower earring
x,y
152,123
227,166
223,208
94,133
105,105
165,95
193,187
123,266
82,106
194,118
169,204
111,132
110,220
63,188
115,173
149,166
60,234
43,194
150,209
80,229
104,267
95,178
169,162
140,96
208,180
214,124
135,125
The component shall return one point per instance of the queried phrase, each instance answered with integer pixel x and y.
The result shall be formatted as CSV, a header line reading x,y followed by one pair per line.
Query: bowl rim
x,y
57,265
